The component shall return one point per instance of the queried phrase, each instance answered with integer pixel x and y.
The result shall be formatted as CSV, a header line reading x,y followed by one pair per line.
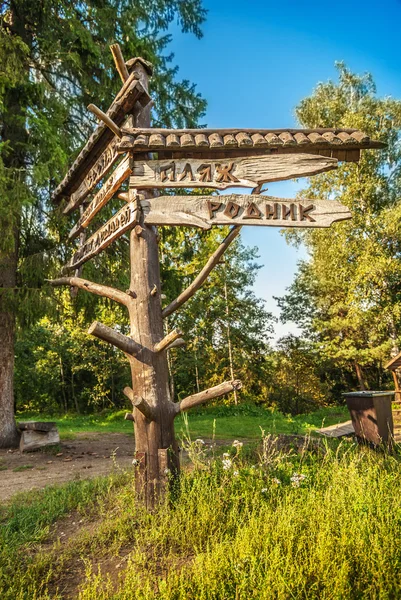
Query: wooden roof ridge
x,y
135,139
131,92
208,130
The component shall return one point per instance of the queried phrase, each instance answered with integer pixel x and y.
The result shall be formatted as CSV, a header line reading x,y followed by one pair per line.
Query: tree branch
x,y
177,344
107,334
168,340
214,392
199,280
106,119
94,288
119,62
139,403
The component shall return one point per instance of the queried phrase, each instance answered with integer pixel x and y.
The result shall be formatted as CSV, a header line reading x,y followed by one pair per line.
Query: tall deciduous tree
x,y
349,288
55,60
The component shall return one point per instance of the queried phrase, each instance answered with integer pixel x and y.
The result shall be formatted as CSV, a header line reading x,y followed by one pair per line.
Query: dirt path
x,y
89,455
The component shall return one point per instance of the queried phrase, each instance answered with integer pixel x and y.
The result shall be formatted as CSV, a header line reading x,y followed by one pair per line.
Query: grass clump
x,y
317,521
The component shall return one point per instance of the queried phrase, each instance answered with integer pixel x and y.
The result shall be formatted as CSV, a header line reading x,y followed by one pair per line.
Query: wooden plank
x,y
94,175
108,190
238,172
242,209
336,431
124,220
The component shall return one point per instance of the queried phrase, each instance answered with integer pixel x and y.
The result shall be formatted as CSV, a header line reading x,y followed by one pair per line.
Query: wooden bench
x,y
37,434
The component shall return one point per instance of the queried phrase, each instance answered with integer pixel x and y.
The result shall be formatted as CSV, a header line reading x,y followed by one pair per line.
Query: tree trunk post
x,y
155,444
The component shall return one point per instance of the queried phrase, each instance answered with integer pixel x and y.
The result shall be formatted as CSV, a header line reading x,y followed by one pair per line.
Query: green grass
x,y
22,468
247,532
243,421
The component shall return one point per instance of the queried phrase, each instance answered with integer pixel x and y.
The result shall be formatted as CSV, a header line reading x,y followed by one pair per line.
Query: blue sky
x,y
258,59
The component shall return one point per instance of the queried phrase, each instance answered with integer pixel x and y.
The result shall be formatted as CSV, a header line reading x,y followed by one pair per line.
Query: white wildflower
x,y
226,455
276,481
264,490
236,473
237,444
297,478
227,464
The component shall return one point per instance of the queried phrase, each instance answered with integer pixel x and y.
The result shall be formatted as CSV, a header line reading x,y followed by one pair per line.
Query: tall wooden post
x,y
156,448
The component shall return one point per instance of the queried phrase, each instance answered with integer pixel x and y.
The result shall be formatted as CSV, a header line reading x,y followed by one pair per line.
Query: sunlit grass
x,y
243,421
320,522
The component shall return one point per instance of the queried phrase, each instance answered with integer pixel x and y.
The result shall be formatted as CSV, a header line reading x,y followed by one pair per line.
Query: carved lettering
x,y
272,211
213,208
288,212
187,171
205,172
224,175
252,212
170,169
232,210
247,171
304,213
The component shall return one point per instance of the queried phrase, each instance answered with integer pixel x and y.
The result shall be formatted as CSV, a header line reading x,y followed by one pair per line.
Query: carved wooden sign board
x,y
222,174
205,211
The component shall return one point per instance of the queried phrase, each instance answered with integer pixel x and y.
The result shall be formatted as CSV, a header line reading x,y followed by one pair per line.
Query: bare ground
x,y
87,456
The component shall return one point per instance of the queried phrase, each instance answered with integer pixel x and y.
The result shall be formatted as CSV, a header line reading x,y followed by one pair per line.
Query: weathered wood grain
x,y
33,440
238,172
119,62
242,209
95,174
206,395
108,190
124,220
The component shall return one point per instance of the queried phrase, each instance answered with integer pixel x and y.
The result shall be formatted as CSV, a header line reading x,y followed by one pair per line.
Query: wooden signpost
x,y
146,346
250,171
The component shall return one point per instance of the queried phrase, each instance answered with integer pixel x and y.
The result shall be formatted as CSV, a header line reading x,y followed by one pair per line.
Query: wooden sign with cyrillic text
x,y
242,209
108,190
105,161
123,220
236,172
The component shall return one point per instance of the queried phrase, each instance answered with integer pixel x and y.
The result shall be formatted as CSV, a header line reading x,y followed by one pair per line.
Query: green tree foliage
x,y
55,59
346,296
223,314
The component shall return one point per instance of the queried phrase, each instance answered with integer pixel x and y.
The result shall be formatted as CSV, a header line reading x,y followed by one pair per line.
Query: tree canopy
x,y
349,287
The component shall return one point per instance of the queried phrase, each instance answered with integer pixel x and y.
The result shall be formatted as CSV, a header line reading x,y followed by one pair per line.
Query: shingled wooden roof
x,y
343,144
394,363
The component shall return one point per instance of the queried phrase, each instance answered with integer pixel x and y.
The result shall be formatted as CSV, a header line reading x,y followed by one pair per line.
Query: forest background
x,y
346,294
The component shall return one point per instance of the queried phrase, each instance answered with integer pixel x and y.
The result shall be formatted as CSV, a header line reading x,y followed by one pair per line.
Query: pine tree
x,y
55,60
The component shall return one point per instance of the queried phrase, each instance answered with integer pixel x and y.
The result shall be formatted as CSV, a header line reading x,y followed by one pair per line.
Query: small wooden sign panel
x,y
221,174
124,220
105,161
108,190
